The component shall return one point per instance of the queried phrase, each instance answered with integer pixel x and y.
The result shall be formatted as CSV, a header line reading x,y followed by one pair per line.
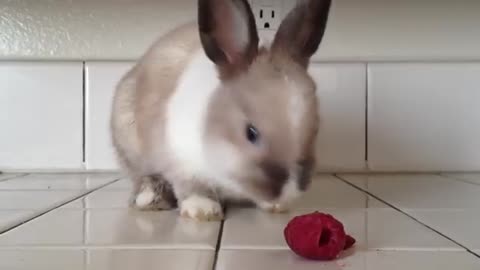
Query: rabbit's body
x,y
211,117
183,80
171,146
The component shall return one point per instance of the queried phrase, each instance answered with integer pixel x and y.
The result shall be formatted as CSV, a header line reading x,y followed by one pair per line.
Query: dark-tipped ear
x,y
301,32
228,33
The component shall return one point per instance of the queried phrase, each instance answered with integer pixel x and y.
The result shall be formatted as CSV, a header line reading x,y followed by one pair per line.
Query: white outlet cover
x,y
267,18
268,13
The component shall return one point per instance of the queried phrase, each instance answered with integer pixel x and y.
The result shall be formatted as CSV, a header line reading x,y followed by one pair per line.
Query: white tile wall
x,y
424,117
101,80
421,116
342,97
40,115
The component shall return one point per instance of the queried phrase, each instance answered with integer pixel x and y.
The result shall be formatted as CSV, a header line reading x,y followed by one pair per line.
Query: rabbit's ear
x,y
228,33
301,32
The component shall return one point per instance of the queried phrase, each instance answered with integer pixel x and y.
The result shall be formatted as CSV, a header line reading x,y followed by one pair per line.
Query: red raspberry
x,y
317,236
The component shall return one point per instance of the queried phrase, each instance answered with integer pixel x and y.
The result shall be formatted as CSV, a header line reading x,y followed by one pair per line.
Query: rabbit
x,y
207,115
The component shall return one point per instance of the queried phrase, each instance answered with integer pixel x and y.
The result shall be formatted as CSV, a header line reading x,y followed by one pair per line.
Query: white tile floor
x,y
83,222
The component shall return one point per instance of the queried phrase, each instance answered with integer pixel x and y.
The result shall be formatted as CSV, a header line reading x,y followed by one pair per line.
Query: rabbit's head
x,y
262,122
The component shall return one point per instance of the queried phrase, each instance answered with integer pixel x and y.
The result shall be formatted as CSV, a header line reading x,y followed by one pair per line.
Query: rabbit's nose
x,y
277,175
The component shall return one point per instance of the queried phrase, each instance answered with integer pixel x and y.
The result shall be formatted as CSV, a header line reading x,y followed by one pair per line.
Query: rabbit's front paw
x,y
201,208
274,207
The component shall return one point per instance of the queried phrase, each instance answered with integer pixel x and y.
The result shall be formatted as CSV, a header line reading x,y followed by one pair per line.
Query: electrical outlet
x,y
268,14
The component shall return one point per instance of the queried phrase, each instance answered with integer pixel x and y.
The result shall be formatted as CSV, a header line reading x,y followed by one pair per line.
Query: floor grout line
x,y
14,177
367,102
84,111
107,247
455,179
410,216
219,241
47,189
42,212
399,249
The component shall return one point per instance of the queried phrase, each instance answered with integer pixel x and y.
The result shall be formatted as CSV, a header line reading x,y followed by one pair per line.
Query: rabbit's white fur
x,y
186,116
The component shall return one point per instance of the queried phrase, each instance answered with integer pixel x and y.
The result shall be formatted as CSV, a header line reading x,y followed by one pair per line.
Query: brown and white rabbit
x,y
208,115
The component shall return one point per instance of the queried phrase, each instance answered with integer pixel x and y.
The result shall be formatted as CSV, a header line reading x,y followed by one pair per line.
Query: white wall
x,y
359,30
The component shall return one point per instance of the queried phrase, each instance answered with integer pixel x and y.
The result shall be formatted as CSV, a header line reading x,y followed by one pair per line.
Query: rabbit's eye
x,y
252,133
